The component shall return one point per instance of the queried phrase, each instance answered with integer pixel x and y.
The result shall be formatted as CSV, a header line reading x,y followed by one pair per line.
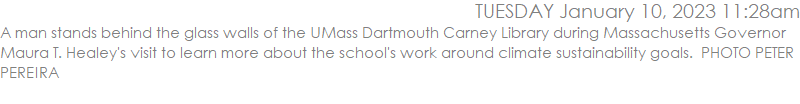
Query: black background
x,y
326,73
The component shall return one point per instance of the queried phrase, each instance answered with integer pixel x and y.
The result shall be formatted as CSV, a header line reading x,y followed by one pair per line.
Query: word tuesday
x,y
523,11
